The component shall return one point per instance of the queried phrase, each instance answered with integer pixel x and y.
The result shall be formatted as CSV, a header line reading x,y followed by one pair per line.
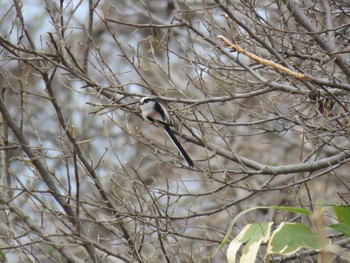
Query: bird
x,y
155,112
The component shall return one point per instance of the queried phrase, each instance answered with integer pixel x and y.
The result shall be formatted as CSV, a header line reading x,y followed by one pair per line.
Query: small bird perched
x,y
154,112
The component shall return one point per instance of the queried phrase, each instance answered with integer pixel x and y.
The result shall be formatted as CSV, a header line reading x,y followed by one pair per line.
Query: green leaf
x,y
297,210
343,214
290,237
343,228
232,223
253,235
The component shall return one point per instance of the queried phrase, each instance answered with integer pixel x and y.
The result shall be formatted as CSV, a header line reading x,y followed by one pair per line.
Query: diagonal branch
x,y
43,171
25,219
262,61
259,168
87,165
302,19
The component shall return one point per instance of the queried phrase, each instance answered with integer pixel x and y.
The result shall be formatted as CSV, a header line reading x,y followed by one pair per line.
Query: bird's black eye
x,y
145,100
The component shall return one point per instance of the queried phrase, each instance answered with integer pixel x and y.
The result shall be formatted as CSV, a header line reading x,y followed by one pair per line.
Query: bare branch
x,y
262,61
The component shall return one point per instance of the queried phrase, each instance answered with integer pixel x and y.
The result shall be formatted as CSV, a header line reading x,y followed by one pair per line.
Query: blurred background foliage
x,y
84,179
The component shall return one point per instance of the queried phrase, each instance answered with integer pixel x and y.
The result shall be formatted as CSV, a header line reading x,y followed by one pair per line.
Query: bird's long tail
x,y
178,145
